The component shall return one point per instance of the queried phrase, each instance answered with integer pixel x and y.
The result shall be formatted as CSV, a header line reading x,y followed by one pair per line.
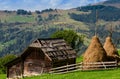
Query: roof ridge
x,y
49,38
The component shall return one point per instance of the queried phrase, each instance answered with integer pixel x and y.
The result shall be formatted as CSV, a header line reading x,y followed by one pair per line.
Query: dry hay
x,y
110,49
94,53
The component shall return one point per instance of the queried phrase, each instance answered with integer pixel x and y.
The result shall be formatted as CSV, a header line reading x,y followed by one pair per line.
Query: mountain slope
x,y
18,30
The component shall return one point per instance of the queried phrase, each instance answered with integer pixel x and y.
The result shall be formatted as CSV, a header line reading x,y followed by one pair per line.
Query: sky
x,y
43,4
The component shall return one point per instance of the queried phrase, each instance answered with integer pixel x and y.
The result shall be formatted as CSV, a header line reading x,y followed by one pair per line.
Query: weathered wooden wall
x,y
15,71
35,63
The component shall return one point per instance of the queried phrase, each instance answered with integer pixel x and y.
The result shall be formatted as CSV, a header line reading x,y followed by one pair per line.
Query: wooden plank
x,y
48,57
67,66
97,66
66,69
99,69
113,62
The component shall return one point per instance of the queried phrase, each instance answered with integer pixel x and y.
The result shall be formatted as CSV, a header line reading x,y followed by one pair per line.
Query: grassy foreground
x,y
104,74
2,76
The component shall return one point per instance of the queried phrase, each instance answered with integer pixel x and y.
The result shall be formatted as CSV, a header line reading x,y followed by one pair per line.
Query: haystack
x,y
111,50
94,53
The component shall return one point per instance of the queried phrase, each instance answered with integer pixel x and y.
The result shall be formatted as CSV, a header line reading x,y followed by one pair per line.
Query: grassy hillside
x,y
18,31
30,27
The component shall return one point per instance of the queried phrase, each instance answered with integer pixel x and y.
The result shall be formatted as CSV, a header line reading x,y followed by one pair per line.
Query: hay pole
x,y
96,22
111,30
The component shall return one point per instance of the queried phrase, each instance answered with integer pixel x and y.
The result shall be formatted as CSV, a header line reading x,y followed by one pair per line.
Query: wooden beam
x,y
22,68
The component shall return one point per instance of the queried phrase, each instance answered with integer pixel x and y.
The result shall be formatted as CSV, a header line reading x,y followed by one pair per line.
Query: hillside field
x,y
18,24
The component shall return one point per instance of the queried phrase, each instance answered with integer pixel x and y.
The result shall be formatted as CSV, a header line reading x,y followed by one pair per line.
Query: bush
x,y
4,60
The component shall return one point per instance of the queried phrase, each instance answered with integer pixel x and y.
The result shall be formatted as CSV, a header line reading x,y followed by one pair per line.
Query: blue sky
x,y
43,4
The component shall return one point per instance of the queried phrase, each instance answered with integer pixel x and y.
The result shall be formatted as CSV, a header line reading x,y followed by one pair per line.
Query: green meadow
x,y
103,74
2,76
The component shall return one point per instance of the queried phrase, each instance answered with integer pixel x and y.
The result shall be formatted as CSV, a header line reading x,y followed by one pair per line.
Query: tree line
x,y
4,60
107,13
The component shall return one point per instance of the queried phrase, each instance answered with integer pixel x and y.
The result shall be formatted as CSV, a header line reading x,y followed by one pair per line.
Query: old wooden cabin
x,y
40,57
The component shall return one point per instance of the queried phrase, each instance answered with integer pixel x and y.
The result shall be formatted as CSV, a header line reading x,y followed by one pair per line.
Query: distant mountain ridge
x,y
111,1
115,3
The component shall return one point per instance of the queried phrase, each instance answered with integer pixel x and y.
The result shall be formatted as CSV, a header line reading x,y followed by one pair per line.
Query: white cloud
x,y
54,3
77,3
43,4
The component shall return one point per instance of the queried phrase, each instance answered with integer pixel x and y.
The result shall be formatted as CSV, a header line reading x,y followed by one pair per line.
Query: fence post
x,y
104,65
67,67
82,66
116,64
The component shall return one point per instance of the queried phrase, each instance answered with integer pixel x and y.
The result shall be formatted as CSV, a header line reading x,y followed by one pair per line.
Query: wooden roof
x,y
14,61
55,48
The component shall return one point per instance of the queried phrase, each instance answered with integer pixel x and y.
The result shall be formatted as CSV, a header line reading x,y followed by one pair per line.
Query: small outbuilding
x,y
40,56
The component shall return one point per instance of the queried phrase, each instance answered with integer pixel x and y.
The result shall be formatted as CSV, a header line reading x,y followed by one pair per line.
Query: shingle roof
x,y
56,49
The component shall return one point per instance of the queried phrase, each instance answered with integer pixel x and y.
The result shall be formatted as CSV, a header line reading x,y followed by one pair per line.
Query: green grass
x,y
79,59
119,51
104,74
2,76
18,18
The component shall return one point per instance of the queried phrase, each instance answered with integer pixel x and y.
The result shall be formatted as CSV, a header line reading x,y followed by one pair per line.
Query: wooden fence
x,y
84,66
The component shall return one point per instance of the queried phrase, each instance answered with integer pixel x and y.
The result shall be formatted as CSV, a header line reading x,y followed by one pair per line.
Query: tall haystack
x,y
94,53
111,50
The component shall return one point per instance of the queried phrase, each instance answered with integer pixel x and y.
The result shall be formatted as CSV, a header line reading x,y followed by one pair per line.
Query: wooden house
x,y
40,56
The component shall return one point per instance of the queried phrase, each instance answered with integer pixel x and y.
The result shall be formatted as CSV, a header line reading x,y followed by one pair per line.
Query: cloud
x,y
55,3
77,3
43,4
